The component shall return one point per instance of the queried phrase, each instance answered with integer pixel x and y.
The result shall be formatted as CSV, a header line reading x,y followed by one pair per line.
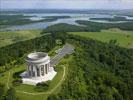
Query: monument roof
x,y
36,56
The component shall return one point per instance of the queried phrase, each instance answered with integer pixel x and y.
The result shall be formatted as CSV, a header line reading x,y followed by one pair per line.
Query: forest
x,y
11,54
116,18
98,71
87,26
7,20
95,26
62,27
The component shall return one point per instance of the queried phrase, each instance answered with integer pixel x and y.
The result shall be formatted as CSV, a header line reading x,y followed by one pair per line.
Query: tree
x,y
59,42
11,94
2,91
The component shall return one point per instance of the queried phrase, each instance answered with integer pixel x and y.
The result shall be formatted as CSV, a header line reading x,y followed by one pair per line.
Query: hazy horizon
x,y
67,4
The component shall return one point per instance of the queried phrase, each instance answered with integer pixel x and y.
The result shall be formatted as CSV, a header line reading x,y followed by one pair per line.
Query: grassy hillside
x,y
124,38
54,86
97,71
10,37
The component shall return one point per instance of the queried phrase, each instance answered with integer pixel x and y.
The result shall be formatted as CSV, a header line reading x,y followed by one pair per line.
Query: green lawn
x,y
31,97
53,88
10,37
4,79
29,88
124,38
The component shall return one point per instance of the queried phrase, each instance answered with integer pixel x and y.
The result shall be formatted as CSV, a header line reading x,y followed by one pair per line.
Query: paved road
x,y
66,49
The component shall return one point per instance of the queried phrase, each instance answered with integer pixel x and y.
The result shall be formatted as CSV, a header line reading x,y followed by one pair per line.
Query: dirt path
x,y
8,80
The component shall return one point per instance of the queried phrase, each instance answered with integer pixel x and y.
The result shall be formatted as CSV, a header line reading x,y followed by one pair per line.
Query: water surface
x,y
71,20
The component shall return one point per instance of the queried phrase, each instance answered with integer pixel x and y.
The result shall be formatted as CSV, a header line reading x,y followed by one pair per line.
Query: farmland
x,y
123,38
10,37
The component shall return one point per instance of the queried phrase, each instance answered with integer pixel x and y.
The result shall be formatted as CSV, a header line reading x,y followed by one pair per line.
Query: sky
x,y
66,4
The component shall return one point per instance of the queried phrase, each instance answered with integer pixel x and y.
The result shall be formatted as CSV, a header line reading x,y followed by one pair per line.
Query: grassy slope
x,y
10,37
124,38
7,80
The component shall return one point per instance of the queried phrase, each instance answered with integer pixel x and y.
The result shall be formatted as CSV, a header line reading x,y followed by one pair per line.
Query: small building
x,y
38,69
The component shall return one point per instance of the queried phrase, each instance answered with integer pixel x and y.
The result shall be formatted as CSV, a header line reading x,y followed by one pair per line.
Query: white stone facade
x,y
38,69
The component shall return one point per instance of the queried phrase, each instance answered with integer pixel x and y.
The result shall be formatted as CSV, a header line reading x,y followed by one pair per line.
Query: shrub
x,y
16,75
17,82
2,90
1,74
43,86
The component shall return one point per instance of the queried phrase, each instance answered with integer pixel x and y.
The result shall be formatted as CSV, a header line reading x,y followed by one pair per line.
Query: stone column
x,y
36,71
28,71
43,69
48,67
31,71
40,71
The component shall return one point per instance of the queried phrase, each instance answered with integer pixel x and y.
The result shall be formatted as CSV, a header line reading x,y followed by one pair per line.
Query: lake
x,y
71,20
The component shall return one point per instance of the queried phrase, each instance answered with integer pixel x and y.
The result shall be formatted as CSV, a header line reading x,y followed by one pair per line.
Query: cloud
x,y
68,4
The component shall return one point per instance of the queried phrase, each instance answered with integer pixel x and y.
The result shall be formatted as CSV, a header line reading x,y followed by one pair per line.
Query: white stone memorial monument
x,y
38,69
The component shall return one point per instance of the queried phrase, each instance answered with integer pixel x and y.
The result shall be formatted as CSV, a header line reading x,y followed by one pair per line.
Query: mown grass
x,y
32,97
124,38
10,37
29,88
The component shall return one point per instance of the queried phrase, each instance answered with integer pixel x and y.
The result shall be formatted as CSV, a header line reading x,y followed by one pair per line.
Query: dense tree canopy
x,y
14,54
17,50
11,94
2,91
98,72
88,26
95,26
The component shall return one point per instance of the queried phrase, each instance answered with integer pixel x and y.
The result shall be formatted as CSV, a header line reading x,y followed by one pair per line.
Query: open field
x,y
10,37
124,38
